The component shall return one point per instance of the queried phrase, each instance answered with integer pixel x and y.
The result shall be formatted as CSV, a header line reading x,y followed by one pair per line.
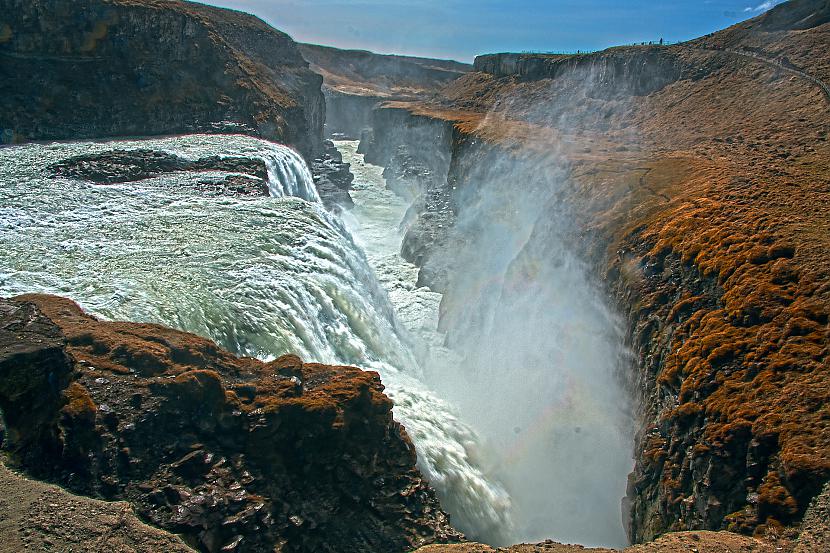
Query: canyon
x,y
630,244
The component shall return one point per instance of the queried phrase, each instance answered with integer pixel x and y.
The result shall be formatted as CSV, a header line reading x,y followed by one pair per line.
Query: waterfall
x,y
260,276
541,353
288,174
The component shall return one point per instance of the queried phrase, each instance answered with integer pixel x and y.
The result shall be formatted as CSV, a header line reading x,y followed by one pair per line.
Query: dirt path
x,y
42,517
680,542
776,64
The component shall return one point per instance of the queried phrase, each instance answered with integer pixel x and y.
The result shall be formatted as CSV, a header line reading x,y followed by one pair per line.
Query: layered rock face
x,y
332,178
416,153
231,453
618,72
696,179
356,80
142,67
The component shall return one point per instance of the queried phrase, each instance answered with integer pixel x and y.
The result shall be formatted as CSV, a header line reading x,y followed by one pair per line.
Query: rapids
x,y
260,276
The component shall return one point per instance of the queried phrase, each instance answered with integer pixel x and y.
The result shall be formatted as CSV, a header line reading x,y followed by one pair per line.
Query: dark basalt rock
x,y
416,153
132,165
615,73
100,68
232,453
332,178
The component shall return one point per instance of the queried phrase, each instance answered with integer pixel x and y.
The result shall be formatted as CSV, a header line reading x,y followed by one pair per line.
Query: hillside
x,y
697,174
360,72
356,80
144,67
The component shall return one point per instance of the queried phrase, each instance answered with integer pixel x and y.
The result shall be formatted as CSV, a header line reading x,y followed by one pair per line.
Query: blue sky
x,y
460,29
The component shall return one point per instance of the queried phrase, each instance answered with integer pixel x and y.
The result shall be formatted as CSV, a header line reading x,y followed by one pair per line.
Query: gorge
x,y
594,287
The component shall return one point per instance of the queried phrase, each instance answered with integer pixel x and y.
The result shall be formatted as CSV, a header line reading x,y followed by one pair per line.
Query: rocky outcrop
x,y
146,67
416,154
231,453
132,165
332,178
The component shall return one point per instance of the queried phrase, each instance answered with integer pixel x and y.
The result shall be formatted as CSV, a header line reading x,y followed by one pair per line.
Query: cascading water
x,y
262,277
534,349
288,174
374,222
541,352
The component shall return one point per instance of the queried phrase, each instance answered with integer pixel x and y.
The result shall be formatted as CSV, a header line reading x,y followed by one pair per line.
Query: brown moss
x,y
718,252
774,501
163,419
79,404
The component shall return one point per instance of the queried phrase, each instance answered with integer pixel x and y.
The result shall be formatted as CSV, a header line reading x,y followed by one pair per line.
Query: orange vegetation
x,y
707,204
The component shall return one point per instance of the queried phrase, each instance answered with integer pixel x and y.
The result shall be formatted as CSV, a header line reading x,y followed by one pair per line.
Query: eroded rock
x,y
332,178
231,453
249,178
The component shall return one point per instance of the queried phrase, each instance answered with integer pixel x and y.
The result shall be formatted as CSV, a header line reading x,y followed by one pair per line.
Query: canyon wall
x,y
619,71
102,68
356,80
700,200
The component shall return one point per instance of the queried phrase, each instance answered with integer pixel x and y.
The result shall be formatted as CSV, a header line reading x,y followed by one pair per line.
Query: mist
x,y
537,362
541,353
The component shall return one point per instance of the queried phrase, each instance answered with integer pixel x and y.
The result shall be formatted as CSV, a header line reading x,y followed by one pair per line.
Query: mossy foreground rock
x,y
232,453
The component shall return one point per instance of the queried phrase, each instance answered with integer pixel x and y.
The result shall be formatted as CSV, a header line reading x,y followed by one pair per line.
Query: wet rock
x,y
332,178
117,166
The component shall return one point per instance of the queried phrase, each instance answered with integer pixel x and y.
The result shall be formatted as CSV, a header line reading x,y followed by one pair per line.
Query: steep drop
x,y
260,276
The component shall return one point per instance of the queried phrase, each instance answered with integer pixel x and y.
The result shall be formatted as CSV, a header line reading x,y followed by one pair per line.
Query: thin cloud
x,y
762,7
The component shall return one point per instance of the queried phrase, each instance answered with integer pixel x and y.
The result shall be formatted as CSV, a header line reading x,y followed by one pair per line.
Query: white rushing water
x,y
288,174
260,276
375,222
535,350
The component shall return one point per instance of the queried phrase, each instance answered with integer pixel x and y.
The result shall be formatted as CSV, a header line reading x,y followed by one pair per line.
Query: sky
x,y
461,29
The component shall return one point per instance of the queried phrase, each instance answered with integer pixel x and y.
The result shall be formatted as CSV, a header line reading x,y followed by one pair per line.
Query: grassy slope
x,y
725,171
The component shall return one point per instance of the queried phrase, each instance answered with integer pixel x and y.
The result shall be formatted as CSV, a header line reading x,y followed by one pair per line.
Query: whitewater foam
x,y
260,276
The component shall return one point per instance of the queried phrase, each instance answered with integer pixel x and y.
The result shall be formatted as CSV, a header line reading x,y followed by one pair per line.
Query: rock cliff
x,y
101,68
618,72
695,174
231,453
356,80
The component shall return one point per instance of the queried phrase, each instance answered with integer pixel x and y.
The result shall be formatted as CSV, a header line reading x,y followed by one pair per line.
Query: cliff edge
x,y
232,454
103,68
356,80
696,174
